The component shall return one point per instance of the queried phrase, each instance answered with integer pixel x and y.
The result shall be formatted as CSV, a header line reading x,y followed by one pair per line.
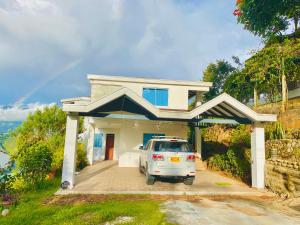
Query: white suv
x,y
169,157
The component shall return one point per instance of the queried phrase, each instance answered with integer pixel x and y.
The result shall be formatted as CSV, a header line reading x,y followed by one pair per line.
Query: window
x,y
147,137
156,96
166,146
98,140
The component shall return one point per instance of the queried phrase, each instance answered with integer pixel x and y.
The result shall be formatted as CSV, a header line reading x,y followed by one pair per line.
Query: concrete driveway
x,y
230,211
107,178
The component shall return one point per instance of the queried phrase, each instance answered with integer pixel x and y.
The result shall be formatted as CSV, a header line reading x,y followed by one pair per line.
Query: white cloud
x,y
19,113
167,39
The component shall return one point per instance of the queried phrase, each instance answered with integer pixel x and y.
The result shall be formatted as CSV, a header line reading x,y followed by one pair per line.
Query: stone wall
x,y
290,118
283,177
286,149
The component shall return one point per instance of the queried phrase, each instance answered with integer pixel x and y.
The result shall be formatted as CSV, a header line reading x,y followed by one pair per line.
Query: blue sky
x,y
48,46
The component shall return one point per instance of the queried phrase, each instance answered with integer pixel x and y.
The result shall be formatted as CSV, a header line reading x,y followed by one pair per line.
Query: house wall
x,y
129,136
177,95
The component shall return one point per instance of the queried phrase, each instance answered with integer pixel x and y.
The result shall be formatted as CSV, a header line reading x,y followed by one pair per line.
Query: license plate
x,y
175,159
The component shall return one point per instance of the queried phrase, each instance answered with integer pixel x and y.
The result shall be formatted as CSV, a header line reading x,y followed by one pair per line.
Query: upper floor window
x,y
156,96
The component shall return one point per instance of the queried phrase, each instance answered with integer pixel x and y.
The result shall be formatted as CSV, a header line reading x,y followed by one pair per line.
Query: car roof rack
x,y
167,137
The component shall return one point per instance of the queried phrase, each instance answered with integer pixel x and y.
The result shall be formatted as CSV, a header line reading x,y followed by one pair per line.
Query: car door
x,y
144,154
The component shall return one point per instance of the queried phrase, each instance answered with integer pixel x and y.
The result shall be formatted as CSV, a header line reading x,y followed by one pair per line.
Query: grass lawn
x,y
36,208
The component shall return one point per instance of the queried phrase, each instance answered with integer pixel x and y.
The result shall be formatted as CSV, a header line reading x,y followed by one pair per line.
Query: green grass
x,y
33,210
223,184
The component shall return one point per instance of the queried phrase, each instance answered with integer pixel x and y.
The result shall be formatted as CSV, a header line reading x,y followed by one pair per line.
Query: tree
x,y
47,125
271,67
268,18
238,86
217,73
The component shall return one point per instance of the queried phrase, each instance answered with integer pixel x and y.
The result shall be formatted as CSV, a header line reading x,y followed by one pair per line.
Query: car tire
x,y
149,178
140,167
188,181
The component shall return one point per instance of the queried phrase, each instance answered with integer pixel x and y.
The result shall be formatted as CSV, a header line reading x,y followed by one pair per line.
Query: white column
x,y
69,164
90,145
258,156
198,141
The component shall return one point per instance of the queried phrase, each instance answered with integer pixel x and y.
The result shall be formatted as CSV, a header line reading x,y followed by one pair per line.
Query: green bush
x,y
241,136
35,165
275,131
234,157
81,160
234,161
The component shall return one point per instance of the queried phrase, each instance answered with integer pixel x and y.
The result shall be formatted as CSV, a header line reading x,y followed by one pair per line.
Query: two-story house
x,y
125,112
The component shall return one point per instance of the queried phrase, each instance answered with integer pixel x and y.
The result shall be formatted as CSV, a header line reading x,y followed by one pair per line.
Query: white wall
x,y
177,95
129,135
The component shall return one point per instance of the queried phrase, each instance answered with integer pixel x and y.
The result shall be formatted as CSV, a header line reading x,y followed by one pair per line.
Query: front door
x,y
109,149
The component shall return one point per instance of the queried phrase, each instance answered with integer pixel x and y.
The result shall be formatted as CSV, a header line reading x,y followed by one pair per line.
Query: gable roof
x,y
124,99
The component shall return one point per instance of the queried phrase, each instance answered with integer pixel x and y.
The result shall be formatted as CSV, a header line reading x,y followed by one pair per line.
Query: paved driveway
x,y
106,178
230,212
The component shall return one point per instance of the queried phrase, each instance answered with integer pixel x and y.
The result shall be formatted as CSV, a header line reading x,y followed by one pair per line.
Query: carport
x,y
125,100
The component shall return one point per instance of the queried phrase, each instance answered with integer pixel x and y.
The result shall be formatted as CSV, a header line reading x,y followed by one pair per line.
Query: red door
x,y
109,149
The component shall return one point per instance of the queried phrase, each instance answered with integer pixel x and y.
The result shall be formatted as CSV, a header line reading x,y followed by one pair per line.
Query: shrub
x,y
235,162
230,154
81,160
7,179
240,136
275,131
35,165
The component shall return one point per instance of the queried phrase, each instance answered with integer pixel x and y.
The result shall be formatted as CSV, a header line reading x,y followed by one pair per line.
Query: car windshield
x,y
167,146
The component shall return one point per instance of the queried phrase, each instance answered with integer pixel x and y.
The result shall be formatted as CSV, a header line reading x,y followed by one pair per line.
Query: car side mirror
x,y
141,147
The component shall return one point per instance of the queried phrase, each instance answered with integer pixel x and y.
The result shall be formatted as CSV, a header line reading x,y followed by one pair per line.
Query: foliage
x,y
263,71
217,73
33,210
7,179
266,67
47,125
237,81
234,161
274,131
35,164
81,159
241,136
268,18
233,156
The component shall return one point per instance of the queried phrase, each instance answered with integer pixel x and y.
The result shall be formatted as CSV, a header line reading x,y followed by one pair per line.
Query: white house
x,y
124,112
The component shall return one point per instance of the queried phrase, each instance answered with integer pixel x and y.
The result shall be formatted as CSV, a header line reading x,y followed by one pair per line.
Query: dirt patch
x,y
81,199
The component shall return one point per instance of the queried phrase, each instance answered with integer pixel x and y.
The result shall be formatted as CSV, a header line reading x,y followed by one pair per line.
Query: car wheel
x,y
149,178
140,167
188,181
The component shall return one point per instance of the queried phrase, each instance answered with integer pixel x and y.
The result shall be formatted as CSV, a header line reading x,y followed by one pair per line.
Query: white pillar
x,y
198,141
69,164
90,145
258,156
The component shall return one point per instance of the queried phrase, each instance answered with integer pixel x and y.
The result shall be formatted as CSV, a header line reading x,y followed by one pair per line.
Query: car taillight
x,y
157,157
190,158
